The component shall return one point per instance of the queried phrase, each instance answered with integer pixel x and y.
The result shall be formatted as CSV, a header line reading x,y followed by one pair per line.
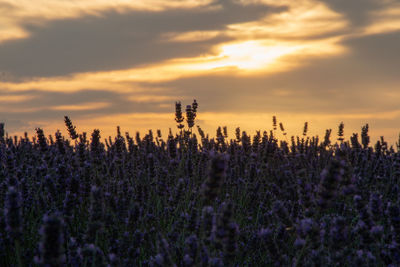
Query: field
x,y
186,199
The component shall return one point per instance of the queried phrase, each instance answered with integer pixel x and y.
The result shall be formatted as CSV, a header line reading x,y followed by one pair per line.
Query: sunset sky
x,y
125,62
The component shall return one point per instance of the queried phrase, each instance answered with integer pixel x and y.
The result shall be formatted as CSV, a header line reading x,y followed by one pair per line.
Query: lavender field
x,y
186,199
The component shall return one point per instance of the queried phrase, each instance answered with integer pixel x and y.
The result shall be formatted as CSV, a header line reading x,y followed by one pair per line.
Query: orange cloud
x,y
386,20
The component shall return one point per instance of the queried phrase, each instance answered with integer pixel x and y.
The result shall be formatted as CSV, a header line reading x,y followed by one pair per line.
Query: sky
x,y
125,62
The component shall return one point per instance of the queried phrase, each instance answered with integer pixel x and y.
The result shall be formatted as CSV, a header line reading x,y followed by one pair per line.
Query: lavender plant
x,y
145,200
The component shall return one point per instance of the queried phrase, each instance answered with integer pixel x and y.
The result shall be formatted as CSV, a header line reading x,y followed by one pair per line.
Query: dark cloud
x,y
118,41
356,11
379,53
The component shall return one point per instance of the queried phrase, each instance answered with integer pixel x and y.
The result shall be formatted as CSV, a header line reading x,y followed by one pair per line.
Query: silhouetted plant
x,y
71,128
305,129
178,115
41,139
341,132
364,136
2,132
189,116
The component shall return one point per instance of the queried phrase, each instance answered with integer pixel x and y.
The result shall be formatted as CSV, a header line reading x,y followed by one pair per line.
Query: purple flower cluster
x,y
188,201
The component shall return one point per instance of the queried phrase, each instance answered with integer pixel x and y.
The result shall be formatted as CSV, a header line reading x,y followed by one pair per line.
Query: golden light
x,y
14,98
253,54
209,122
383,21
248,56
262,56
87,106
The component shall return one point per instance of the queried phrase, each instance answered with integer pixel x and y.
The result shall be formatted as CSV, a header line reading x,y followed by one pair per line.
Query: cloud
x,y
118,40
303,20
16,13
365,80
357,11
385,20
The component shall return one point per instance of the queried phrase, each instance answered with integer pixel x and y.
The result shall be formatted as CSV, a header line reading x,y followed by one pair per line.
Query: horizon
x,y
278,133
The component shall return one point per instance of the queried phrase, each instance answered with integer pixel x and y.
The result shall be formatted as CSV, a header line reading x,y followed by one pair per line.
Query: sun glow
x,y
249,56
253,55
